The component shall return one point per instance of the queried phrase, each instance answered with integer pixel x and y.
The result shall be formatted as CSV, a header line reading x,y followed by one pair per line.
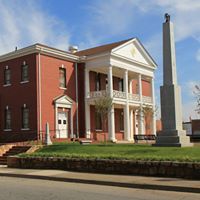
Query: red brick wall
x,y
100,135
50,88
146,88
135,86
148,124
92,76
119,134
16,95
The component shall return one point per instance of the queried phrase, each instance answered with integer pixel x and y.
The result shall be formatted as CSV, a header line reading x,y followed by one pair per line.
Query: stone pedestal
x,y
172,138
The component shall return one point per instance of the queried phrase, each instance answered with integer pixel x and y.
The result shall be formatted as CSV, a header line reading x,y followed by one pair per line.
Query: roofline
x,y
39,48
146,51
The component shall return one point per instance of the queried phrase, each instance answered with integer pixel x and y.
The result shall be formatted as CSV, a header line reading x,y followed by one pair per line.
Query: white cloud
x,y
24,22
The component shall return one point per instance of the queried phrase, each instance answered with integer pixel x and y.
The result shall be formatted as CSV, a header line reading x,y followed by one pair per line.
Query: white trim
x,y
98,130
71,125
7,129
25,129
64,102
39,48
22,82
7,85
63,88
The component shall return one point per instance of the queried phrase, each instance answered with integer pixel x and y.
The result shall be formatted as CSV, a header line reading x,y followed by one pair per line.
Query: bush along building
x,y
40,84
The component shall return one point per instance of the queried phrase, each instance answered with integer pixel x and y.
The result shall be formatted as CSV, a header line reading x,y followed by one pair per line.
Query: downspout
x,y
77,114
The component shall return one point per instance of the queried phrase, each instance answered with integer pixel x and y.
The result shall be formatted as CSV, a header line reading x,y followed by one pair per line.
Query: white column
x,y
87,106
131,124
110,81
71,125
141,121
154,106
126,83
126,109
136,122
87,120
111,114
87,83
111,124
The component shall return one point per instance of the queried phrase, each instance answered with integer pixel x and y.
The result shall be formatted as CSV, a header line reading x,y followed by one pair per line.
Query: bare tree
x,y
103,106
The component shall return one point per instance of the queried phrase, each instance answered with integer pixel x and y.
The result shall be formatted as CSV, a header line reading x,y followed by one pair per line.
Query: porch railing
x,y
134,97
120,95
147,99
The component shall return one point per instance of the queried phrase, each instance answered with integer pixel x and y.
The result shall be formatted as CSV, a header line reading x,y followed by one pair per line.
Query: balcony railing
x,y
119,95
147,99
134,97
97,94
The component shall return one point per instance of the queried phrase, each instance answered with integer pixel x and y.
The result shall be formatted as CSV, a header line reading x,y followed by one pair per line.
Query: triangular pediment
x,y
134,50
64,99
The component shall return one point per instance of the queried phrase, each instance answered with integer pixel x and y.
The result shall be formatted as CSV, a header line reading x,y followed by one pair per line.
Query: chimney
x,y
73,49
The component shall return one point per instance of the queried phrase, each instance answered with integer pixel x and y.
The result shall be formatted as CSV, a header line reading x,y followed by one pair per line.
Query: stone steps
x,y
13,151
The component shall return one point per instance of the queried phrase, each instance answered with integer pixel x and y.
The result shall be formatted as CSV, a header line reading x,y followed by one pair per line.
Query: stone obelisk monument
x,y
172,133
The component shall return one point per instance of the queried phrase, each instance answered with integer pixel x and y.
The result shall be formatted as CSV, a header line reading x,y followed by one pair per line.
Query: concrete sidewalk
x,y
155,183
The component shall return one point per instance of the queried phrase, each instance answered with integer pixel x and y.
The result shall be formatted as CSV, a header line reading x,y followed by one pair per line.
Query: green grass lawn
x,y
119,151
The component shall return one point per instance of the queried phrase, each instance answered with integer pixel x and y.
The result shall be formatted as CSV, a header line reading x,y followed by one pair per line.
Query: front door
x,y
62,125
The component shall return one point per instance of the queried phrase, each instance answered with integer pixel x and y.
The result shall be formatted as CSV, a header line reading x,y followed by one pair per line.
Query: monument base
x,y
172,138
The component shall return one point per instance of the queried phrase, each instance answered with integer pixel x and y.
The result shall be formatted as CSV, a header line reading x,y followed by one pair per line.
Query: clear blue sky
x,y
88,23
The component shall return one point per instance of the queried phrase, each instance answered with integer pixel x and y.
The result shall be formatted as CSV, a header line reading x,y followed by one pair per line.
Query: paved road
x,y
31,189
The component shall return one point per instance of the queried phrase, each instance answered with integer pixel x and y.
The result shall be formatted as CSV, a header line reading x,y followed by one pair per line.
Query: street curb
x,y
107,183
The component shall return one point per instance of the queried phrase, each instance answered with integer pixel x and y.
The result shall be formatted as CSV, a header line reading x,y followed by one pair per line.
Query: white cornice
x,y
39,48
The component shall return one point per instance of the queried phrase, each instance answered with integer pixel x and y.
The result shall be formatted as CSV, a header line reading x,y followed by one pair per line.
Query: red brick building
x,y
40,84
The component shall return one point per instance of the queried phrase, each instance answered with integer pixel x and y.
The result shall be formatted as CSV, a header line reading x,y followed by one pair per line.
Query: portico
x,y
124,81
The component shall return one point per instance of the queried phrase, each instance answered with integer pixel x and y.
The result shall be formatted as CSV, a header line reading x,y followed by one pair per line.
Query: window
x,y
7,76
25,117
24,72
7,118
98,121
121,123
62,77
121,85
98,82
